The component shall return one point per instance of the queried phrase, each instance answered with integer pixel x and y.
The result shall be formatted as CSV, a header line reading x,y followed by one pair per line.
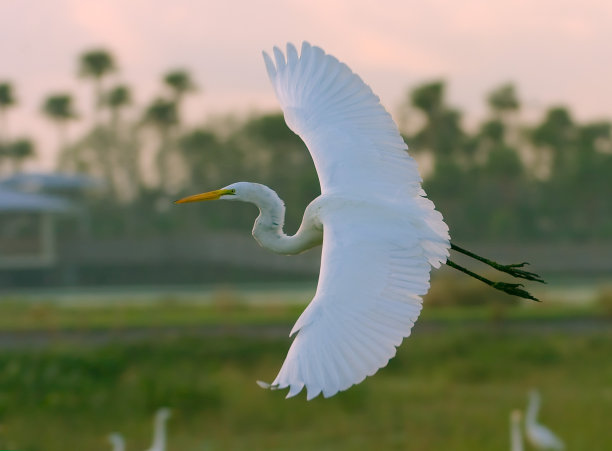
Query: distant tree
x,y
116,99
162,115
442,133
429,97
588,183
7,100
96,64
203,153
503,100
58,107
180,83
125,146
19,151
557,133
493,131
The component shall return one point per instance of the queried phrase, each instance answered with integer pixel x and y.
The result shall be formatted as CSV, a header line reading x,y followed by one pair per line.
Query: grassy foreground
x,y
448,389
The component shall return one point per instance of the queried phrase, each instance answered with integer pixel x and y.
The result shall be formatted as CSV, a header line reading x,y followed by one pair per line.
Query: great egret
x,y
159,429
516,437
538,435
117,442
379,231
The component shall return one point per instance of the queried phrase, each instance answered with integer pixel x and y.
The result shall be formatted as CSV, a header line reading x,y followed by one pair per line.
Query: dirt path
x,y
41,339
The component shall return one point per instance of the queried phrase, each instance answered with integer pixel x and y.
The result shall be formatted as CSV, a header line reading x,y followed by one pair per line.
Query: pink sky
x,y
556,51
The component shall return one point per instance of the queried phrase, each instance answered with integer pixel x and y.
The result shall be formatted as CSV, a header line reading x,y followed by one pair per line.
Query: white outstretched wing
x,y
380,234
353,140
374,269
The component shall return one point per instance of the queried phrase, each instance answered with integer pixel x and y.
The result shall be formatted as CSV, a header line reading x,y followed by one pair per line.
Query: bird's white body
x,y
116,441
539,436
159,429
380,234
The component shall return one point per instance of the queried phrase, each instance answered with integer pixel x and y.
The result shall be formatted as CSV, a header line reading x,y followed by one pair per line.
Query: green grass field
x,y
450,387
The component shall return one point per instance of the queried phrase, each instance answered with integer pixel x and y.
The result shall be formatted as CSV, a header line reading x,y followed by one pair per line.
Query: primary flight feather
x,y
380,234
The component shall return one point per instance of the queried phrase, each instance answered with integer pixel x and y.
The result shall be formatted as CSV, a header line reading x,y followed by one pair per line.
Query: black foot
x,y
508,269
515,272
514,289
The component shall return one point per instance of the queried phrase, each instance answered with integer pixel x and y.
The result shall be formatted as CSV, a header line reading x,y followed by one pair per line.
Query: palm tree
x,y
162,115
503,100
121,163
116,99
7,99
557,133
442,131
19,151
58,107
96,64
180,83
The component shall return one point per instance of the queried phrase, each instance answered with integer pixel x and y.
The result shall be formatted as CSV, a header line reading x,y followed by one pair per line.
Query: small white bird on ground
x,y
117,442
381,235
159,429
516,436
539,436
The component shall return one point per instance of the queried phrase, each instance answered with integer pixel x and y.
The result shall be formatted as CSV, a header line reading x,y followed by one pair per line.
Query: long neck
x,y
516,439
159,435
268,227
118,444
532,408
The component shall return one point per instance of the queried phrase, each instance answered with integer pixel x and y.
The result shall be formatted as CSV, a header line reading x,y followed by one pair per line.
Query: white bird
x,y
159,429
380,233
516,436
538,435
117,442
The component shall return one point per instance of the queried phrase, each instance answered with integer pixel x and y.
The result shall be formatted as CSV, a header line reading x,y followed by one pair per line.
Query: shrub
x,y
463,291
604,300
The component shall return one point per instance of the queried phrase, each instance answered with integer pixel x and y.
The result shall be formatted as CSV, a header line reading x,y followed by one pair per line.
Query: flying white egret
x,y
380,233
516,436
117,442
538,435
159,429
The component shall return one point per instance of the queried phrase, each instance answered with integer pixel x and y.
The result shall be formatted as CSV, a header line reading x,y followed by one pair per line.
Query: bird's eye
x,y
232,191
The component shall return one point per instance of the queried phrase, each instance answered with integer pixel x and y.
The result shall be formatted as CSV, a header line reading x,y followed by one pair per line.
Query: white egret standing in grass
x,y
516,436
159,429
117,442
380,233
538,435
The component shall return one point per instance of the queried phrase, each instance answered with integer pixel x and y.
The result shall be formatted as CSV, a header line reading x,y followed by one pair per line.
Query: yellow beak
x,y
211,195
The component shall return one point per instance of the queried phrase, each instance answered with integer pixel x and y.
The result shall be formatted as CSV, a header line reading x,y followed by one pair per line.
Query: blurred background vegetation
x,y
89,353
503,181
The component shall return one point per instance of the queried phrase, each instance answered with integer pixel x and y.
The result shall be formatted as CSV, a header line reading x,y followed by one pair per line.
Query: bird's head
x,y
163,413
115,439
243,191
231,192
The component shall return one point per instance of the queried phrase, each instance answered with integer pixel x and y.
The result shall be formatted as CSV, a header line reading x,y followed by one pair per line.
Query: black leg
x,y
513,289
509,269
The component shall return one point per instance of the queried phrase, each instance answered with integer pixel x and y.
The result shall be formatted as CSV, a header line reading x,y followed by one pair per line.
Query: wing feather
x,y
374,272
341,121
381,234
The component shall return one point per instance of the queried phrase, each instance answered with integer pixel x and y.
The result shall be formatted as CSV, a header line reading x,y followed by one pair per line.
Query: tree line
x,y
504,180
